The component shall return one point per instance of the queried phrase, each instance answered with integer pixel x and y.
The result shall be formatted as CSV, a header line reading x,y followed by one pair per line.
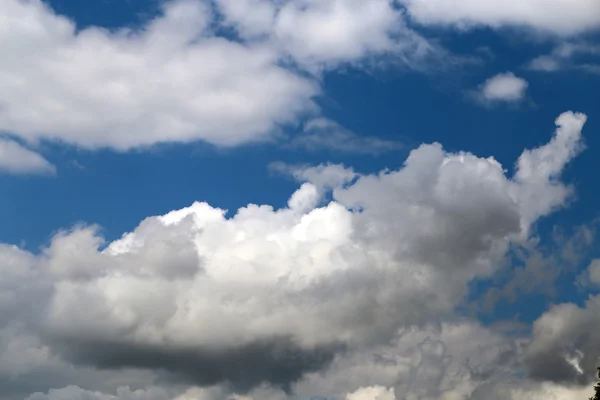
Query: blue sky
x,y
115,112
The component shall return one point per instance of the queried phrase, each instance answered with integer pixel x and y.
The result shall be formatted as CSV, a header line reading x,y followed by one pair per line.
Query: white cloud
x,y
324,33
540,168
175,79
322,133
505,87
198,294
171,81
16,159
372,393
552,16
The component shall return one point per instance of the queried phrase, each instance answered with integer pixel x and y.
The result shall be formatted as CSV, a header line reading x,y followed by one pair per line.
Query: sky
x,y
299,199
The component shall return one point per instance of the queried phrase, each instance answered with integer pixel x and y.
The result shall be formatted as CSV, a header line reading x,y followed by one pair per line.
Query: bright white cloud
x,y
504,87
174,79
16,159
552,16
170,81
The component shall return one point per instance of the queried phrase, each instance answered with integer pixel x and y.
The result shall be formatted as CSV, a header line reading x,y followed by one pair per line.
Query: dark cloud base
x,y
279,362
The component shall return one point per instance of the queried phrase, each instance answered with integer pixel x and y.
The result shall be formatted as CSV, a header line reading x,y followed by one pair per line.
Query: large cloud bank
x,y
321,297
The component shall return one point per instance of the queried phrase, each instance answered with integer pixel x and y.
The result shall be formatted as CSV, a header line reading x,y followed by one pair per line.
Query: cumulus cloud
x,y
175,79
322,133
270,296
503,88
552,16
16,159
171,81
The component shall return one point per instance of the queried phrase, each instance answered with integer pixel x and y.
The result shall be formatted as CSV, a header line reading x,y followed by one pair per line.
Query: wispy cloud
x,y
324,134
569,56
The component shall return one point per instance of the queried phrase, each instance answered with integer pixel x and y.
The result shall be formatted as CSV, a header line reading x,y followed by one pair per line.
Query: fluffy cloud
x,y
553,16
272,296
175,79
504,87
324,33
16,159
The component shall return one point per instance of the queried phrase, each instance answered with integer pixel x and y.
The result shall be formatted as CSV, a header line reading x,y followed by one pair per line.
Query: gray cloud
x,y
276,361
565,347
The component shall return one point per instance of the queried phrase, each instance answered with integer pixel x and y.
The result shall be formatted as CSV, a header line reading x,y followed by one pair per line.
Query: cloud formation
x,y
503,88
171,81
270,297
320,34
175,79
